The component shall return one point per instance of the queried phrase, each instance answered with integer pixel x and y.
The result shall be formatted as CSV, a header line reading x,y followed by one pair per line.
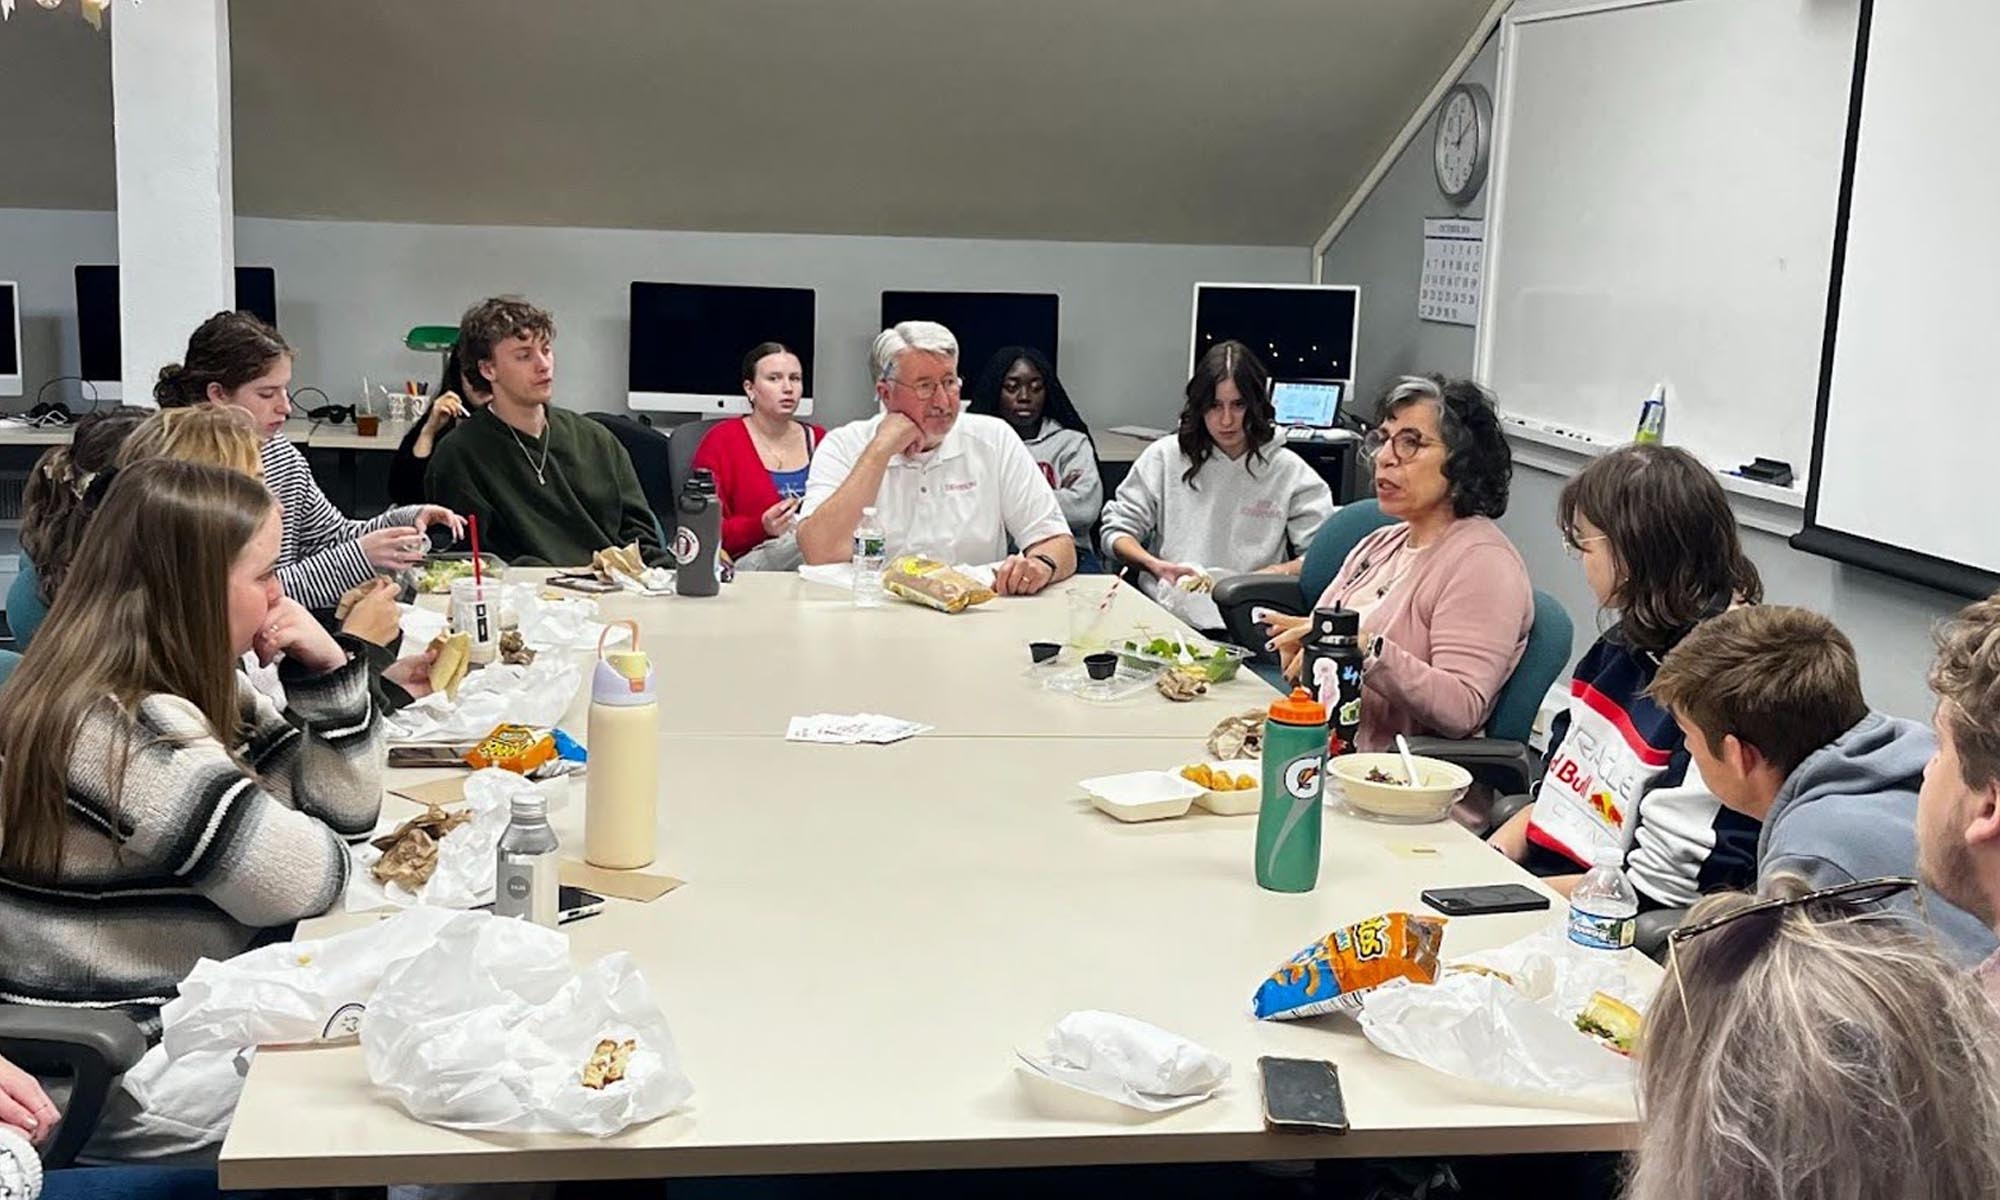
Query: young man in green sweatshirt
x,y
550,488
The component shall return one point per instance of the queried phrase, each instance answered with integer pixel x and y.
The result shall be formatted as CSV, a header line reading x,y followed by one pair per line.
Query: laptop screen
x,y
1312,404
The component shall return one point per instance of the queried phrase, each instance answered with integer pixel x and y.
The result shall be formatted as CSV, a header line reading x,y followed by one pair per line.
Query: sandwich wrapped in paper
x,y
928,582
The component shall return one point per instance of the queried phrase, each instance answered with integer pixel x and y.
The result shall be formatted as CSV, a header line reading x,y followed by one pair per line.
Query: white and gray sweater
x,y
1236,516
1068,460
209,849
319,557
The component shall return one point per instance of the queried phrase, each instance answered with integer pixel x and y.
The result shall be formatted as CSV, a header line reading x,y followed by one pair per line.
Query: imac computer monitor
x,y
10,339
689,339
983,322
98,337
1300,332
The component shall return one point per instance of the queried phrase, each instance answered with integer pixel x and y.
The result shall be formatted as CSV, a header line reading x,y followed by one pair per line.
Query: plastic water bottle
x,y
1288,816
868,554
1603,909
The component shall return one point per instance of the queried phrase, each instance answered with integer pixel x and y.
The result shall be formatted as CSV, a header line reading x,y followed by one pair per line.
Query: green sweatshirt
x,y
587,498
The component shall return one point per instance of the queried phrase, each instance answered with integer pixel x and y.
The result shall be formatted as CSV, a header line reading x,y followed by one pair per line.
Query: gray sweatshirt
x,y
1237,516
1849,812
1069,461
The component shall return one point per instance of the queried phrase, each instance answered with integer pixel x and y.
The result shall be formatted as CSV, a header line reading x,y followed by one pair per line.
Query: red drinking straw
x,y
472,526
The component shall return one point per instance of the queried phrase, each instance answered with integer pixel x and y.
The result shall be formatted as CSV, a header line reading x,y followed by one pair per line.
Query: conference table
x,y
867,934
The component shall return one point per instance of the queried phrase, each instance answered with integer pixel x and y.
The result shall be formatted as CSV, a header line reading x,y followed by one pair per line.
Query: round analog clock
x,y
1463,141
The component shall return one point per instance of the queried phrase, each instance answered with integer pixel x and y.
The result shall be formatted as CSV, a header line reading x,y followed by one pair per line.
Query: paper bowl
x,y
1234,802
1440,786
1142,795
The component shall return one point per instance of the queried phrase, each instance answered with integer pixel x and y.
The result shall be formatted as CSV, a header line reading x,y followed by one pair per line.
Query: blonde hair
x,y
1818,1052
1966,678
220,435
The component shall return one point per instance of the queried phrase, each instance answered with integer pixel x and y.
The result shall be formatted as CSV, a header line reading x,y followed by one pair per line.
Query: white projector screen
x,y
1908,427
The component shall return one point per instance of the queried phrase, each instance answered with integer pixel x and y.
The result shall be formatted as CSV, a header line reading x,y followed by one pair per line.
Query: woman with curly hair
x,y
1443,595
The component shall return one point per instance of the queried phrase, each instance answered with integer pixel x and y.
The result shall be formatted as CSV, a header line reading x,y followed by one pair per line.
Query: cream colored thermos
x,y
622,786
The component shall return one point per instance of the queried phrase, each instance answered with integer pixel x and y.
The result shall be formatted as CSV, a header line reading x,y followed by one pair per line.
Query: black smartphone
x,y
432,755
1302,1095
1484,900
583,583
572,904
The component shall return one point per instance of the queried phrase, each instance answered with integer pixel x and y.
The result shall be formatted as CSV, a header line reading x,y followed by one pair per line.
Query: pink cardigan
x,y
1453,630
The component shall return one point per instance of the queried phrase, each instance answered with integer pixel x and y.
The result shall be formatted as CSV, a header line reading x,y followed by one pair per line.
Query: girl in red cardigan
x,y
760,461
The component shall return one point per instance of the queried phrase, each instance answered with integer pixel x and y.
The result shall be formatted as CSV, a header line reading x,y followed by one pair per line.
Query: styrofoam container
x,y
1235,802
1439,786
1142,795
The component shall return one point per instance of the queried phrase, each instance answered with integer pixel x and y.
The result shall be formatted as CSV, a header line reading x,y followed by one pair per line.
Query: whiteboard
x,y
1910,422
1667,174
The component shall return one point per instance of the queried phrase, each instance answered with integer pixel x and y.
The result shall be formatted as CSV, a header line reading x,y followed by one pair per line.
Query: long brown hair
x,y
229,349
1680,558
1236,362
145,610
57,502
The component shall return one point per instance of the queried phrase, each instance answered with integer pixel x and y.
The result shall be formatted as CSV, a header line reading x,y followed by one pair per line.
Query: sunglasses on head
x,y
1861,893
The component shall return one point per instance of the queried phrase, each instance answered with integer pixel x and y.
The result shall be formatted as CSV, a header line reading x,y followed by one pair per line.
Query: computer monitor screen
x,y
983,322
98,343
1299,332
10,339
689,339
1313,404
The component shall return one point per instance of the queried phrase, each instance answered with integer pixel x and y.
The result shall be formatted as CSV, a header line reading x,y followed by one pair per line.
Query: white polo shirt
x,y
961,502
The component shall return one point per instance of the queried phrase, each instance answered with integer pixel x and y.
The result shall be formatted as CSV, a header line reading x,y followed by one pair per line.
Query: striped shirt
x,y
209,850
320,556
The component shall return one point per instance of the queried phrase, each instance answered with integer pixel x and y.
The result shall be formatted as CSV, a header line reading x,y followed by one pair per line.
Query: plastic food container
x,y
1234,802
1142,795
1217,662
1439,786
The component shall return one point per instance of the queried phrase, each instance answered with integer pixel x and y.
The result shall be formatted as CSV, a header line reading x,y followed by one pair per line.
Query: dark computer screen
x,y
983,322
690,338
10,328
97,329
1298,332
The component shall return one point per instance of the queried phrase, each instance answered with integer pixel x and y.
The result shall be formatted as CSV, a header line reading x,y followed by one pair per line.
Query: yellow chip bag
x,y
928,582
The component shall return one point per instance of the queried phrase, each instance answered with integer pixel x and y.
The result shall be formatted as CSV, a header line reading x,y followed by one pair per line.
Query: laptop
x,y
1304,405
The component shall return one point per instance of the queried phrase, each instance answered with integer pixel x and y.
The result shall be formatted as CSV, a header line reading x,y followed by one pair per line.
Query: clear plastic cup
x,y
1089,619
475,610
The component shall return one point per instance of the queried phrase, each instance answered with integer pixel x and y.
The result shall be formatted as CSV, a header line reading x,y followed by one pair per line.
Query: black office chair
x,y
78,1056
686,439
648,449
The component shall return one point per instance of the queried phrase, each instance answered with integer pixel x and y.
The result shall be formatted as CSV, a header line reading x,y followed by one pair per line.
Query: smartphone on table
x,y
1484,900
1302,1095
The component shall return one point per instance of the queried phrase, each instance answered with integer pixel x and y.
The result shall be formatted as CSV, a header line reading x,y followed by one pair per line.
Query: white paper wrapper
x,y
491,1030
548,626
537,695
467,861
291,992
1128,1061
1521,1036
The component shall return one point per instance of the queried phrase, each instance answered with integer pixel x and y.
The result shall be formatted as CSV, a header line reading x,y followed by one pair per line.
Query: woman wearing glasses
x,y
1443,595
1020,387
1218,498
1809,1047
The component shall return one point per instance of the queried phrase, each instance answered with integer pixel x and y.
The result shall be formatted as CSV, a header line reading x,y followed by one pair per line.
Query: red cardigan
x,y
742,482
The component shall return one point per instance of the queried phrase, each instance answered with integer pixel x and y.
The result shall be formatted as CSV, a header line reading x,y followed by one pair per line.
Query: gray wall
x,y
1382,251
348,291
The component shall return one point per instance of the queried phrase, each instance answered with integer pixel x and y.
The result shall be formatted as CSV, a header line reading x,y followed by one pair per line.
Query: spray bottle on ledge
x,y
1653,418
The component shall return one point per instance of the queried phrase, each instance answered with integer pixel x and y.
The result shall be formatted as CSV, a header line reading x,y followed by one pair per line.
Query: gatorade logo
x,y
1302,778
686,545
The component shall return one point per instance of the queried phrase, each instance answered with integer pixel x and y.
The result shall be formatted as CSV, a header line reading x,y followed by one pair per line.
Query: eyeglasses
x,y
1408,443
1575,546
1015,387
929,388
1861,893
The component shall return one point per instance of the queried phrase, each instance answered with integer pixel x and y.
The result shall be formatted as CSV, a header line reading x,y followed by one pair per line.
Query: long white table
x,y
868,933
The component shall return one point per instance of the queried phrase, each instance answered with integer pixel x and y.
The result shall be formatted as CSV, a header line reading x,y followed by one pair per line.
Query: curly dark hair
x,y
490,322
229,349
1056,404
1479,464
1236,362
1671,532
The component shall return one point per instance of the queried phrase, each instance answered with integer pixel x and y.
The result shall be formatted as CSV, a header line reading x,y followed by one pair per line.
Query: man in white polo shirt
x,y
956,487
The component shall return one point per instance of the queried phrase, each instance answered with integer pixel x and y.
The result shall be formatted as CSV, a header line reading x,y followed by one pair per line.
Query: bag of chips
x,y
1335,971
928,582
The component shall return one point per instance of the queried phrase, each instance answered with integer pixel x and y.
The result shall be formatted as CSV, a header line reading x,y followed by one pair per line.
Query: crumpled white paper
x,y
547,625
467,857
492,1028
291,992
1128,1061
536,695
841,575
1520,1036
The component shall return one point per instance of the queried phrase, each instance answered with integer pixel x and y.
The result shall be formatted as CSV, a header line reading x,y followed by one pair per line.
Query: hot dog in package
x,y
1336,971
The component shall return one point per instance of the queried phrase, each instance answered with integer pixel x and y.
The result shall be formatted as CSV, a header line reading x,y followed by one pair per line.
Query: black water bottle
x,y
1332,672
698,533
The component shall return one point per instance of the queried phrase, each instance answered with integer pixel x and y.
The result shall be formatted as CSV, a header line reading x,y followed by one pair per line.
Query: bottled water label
x,y
1600,931
868,547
